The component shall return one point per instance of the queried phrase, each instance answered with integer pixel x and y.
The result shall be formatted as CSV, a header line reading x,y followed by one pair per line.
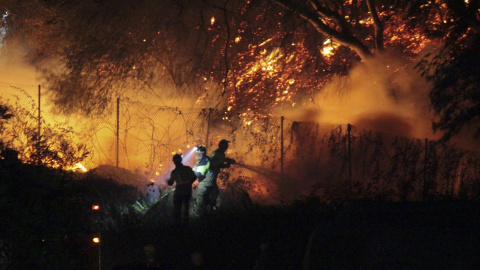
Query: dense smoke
x,y
384,94
13,68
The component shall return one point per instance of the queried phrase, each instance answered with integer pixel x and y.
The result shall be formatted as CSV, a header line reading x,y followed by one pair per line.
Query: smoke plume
x,y
382,94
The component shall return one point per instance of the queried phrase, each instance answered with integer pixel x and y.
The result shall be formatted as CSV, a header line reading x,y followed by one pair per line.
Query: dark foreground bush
x,y
47,223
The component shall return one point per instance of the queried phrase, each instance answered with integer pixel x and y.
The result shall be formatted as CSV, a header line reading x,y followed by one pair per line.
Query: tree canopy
x,y
247,56
100,47
454,70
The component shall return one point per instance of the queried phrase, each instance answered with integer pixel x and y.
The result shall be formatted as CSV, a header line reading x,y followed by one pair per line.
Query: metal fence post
x,y
281,145
100,251
425,174
118,127
208,126
349,145
39,159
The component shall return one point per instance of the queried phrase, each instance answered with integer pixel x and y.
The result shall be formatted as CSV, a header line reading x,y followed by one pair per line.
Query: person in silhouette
x,y
218,161
183,177
202,171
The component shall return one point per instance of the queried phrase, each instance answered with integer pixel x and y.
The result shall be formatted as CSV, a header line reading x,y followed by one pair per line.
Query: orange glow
x,y
201,98
269,64
414,39
77,167
271,73
329,47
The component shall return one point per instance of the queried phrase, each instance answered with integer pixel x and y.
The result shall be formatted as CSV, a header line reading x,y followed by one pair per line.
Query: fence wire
x,y
332,161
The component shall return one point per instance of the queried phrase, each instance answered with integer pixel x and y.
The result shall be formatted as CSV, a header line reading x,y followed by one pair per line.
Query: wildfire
x,y
267,77
78,167
329,47
274,69
272,73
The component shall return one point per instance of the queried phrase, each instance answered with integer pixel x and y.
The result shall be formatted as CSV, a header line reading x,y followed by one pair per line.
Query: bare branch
x,y
344,37
225,54
378,25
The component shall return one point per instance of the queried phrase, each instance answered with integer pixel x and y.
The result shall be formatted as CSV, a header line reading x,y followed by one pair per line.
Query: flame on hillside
x,y
77,167
269,75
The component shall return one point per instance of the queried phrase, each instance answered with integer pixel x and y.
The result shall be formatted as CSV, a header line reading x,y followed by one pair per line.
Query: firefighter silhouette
x,y
183,177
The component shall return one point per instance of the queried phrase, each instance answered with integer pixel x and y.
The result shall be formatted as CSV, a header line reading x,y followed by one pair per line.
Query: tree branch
x,y
225,56
378,25
344,37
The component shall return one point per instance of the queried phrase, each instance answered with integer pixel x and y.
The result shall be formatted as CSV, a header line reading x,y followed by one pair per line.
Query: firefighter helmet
x,y
201,149
177,158
223,144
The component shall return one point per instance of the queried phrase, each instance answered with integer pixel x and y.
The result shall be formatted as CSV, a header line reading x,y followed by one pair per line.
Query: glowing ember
x,y
269,67
78,167
328,48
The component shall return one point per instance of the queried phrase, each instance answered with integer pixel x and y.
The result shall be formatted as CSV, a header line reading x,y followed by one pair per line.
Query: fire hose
x,y
230,161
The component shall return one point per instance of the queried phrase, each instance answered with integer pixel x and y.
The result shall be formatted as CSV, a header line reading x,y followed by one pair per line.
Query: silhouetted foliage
x,y
454,70
49,223
46,214
5,113
456,94
57,145
246,56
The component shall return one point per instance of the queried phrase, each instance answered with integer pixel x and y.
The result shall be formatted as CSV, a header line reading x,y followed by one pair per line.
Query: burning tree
x,y
243,57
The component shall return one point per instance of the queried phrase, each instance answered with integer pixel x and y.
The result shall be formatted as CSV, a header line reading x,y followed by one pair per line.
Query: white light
x,y
189,155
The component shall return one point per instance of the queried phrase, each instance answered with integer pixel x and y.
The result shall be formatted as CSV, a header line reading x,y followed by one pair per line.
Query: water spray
x,y
262,171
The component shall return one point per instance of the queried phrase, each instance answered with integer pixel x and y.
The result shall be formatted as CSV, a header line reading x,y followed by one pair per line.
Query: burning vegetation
x,y
325,102
249,61
281,56
262,55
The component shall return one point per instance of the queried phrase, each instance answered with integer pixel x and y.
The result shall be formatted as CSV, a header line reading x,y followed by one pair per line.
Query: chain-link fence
x,y
146,137
278,158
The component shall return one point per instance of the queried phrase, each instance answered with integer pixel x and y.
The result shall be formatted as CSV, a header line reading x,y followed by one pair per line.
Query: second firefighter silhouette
x,y
183,176
207,170
205,184
218,161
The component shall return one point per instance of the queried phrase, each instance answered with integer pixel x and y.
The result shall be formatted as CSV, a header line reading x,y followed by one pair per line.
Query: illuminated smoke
x,y
187,158
14,70
383,94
